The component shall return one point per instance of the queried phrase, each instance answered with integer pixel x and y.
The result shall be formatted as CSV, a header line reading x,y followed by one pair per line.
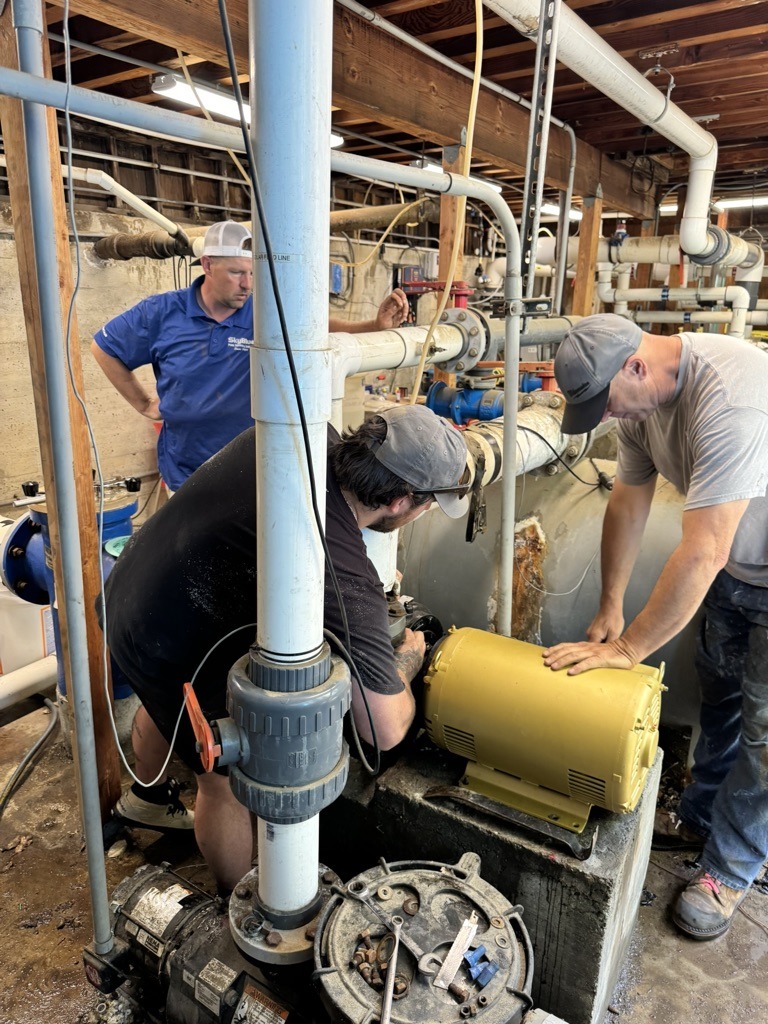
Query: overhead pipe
x,y
455,184
120,113
708,316
738,298
589,56
28,20
416,44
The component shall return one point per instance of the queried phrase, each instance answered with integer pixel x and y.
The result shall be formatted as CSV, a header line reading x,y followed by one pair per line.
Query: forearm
x,y
350,326
124,381
674,601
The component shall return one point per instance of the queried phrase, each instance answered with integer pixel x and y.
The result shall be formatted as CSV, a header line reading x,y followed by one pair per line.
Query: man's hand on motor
x,y
586,655
393,311
410,654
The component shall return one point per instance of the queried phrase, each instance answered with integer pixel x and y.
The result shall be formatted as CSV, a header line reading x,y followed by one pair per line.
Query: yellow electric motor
x,y
544,742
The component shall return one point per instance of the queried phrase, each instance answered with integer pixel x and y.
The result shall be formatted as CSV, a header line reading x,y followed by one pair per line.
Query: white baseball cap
x,y
228,238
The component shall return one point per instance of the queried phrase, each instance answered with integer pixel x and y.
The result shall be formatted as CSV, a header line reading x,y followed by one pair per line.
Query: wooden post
x,y
589,236
643,277
453,162
18,187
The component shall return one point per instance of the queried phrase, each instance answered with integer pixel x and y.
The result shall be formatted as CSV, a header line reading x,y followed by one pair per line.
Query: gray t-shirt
x,y
711,441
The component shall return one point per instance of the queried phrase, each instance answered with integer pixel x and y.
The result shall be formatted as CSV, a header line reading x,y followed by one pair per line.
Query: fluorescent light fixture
x,y
667,210
428,165
214,100
550,210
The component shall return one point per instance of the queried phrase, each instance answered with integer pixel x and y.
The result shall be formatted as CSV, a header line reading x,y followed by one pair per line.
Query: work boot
x,y
705,908
671,833
155,807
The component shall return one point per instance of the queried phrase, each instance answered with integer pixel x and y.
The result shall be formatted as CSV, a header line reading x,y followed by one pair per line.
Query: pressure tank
x,y
547,743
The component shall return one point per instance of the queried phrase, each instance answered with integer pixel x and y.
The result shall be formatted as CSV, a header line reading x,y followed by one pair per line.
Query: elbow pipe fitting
x,y
719,249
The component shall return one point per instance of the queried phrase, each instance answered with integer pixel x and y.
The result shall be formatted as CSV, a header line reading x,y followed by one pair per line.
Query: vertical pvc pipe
x,y
286,854
28,21
290,69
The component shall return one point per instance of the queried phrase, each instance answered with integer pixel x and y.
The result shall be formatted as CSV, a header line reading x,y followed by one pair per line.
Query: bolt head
x,y
443,317
474,330
551,469
273,938
473,351
243,892
462,316
459,366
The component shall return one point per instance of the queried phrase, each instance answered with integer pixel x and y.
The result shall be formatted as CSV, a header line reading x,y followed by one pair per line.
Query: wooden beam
x,y
18,186
586,261
383,79
378,76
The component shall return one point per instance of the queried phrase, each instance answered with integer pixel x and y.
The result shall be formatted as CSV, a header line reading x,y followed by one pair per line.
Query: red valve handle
x,y
207,747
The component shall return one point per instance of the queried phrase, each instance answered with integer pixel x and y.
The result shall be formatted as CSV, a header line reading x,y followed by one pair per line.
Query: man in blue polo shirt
x,y
197,341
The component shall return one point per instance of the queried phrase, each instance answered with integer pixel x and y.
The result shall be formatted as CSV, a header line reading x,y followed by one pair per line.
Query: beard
x,y
389,523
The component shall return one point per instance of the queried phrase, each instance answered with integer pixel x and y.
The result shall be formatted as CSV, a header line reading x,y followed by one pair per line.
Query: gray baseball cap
x,y
589,357
428,453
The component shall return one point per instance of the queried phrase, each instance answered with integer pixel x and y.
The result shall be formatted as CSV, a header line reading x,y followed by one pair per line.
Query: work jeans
x,y
728,798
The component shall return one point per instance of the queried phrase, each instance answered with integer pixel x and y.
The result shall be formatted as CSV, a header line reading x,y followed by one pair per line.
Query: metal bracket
x,y
526,308
541,829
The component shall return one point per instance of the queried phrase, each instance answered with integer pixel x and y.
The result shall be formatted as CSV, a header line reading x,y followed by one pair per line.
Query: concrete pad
x,y
580,914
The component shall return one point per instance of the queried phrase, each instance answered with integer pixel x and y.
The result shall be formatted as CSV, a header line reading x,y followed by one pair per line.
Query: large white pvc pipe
x,y
386,350
290,72
27,681
287,856
455,184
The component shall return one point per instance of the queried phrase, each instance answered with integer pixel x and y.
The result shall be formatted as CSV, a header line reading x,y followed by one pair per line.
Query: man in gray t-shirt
x,y
693,407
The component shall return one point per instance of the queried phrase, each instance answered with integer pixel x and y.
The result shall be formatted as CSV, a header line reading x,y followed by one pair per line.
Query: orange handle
x,y
207,747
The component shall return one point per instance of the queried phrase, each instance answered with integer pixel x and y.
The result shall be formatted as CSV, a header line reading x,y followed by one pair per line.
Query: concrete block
x,y
579,914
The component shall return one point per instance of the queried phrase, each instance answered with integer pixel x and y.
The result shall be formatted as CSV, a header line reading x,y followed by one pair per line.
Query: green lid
x,y
115,545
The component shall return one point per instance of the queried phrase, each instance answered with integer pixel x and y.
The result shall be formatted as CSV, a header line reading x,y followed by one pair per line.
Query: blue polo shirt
x,y
202,372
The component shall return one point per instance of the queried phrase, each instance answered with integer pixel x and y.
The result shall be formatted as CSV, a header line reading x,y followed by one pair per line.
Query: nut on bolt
x,y
327,878
572,451
243,892
459,366
473,351
273,938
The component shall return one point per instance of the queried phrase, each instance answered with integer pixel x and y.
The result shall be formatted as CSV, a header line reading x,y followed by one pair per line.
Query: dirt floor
x,y
45,915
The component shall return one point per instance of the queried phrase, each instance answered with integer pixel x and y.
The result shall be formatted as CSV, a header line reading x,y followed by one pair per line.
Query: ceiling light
x,y
667,210
550,210
214,100
428,165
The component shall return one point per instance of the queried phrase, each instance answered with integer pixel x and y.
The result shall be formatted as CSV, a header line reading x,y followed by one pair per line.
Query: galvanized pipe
x,y
28,22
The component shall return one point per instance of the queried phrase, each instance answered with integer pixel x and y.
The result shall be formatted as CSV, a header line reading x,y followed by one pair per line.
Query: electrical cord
x,y
18,777
255,185
154,488
345,655
541,437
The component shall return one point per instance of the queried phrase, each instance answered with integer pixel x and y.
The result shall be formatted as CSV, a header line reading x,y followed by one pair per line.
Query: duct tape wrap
x,y
296,762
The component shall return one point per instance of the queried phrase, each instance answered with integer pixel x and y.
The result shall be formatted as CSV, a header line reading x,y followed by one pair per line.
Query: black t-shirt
x,y
188,577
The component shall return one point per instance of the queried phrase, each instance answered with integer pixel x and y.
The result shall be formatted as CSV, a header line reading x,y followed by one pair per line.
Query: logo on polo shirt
x,y
240,344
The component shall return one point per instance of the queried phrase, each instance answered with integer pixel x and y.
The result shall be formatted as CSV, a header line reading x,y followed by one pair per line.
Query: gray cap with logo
x,y
426,452
589,357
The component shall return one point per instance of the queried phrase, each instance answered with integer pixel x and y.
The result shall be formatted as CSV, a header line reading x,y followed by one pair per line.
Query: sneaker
x,y
671,833
705,908
160,808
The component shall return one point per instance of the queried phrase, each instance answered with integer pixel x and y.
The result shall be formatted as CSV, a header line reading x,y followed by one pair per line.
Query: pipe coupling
x,y
721,242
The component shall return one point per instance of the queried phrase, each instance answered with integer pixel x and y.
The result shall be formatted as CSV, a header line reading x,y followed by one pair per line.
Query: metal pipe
x,y
28,22
455,184
26,681
707,316
381,216
114,110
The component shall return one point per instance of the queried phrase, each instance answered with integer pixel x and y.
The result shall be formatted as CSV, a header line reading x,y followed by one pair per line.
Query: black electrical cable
x,y
18,776
154,488
541,437
224,19
345,655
